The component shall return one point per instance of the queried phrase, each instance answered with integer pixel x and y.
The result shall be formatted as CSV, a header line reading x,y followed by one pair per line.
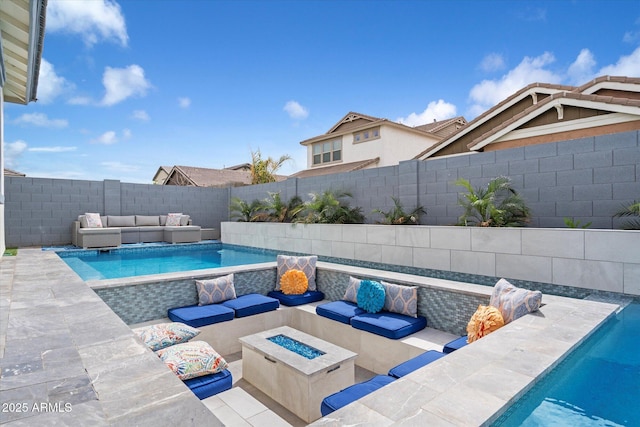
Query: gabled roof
x,y
22,33
354,122
444,128
11,172
206,177
545,96
339,168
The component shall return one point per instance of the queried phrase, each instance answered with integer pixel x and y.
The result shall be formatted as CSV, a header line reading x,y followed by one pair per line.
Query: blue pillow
x,y
370,296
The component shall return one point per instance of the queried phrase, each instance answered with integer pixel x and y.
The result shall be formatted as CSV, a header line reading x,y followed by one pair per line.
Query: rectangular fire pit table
x,y
296,382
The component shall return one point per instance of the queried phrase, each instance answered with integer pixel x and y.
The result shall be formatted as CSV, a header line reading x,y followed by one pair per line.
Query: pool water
x,y
119,263
296,346
597,385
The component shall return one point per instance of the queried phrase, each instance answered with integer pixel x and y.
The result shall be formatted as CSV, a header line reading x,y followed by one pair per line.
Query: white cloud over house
x,y
123,83
50,84
435,111
295,110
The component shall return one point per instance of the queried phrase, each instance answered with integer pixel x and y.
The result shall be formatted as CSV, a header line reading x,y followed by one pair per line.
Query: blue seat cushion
x,y
454,345
352,393
208,385
293,300
250,304
415,363
342,311
388,324
201,315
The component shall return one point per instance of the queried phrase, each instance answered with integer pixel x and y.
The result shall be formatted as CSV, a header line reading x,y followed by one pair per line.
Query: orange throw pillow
x,y
294,282
485,320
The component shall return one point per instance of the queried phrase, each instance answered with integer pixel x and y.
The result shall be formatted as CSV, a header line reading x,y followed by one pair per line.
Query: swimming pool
x,y
597,385
128,262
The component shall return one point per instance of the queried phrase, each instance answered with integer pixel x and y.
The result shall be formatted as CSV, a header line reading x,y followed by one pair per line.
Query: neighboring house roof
x,y
11,172
525,116
206,177
22,29
353,122
444,128
240,167
339,168
161,174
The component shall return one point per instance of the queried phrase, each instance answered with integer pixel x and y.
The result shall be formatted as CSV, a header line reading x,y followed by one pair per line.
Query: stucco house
x,y
541,113
21,40
358,141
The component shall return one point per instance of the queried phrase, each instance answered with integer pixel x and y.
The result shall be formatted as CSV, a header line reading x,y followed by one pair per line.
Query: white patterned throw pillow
x,y
93,220
306,264
173,219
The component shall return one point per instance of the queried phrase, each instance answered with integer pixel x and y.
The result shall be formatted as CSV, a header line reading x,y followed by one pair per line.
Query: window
x,y
327,152
366,135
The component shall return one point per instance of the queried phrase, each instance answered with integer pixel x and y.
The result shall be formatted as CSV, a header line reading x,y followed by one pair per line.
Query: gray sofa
x,y
118,229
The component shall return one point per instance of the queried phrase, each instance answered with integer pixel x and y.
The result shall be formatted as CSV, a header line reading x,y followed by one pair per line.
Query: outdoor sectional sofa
x,y
118,229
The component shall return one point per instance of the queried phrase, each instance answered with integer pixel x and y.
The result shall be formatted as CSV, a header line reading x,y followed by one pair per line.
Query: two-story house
x,y
358,141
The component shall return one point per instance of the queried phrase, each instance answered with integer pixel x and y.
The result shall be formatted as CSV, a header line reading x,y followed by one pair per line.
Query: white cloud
x,y
295,110
581,70
492,62
490,92
41,120
126,133
141,115
12,151
435,111
58,149
106,138
80,100
122,83
50,85
94,20
631,36
184,102
628,66
120,167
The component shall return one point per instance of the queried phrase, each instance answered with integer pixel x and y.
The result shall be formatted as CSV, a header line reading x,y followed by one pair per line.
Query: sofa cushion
x,y
294,300
294,282
192,359
341,311
401,299
371,296
121,221
514,302
307,264
454,345
201,315
250,304
163,335
184,220
147,220
208,385
351,293
352,393
485,320
415,363
390,325
173,219
216,290
91,220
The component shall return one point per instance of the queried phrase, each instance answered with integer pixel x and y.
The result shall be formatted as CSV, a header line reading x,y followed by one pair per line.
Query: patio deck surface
x,y
67,359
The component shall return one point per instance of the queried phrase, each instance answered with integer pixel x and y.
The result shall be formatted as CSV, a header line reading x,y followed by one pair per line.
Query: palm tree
x,y
331,208
397,215
279,211
246,212
497,205
632,210
263,170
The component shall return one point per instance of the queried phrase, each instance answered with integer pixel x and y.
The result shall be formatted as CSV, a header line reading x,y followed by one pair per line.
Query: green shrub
x,y
397,215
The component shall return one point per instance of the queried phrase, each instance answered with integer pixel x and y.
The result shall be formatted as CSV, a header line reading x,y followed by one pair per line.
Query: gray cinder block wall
x,y
585,179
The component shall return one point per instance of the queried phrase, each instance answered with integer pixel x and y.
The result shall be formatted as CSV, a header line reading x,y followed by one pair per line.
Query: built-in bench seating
x,y
242,306
296,300
385,323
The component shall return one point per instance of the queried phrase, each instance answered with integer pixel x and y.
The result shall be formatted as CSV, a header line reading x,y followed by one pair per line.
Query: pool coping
x,y
52,311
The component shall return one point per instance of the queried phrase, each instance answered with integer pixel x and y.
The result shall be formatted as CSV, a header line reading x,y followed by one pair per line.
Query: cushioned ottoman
x,y
293,300
211,384
454,345
388,324
342,311
417,362
352,393
201,315
250,304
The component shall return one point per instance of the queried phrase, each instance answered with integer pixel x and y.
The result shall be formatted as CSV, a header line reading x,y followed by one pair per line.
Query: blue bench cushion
x,y
211,384
201,315
352,393
293,300
417,362
250,304
454,345
387,324
342,311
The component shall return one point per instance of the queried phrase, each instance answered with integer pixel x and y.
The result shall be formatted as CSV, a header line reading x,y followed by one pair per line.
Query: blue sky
x,y
128,86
